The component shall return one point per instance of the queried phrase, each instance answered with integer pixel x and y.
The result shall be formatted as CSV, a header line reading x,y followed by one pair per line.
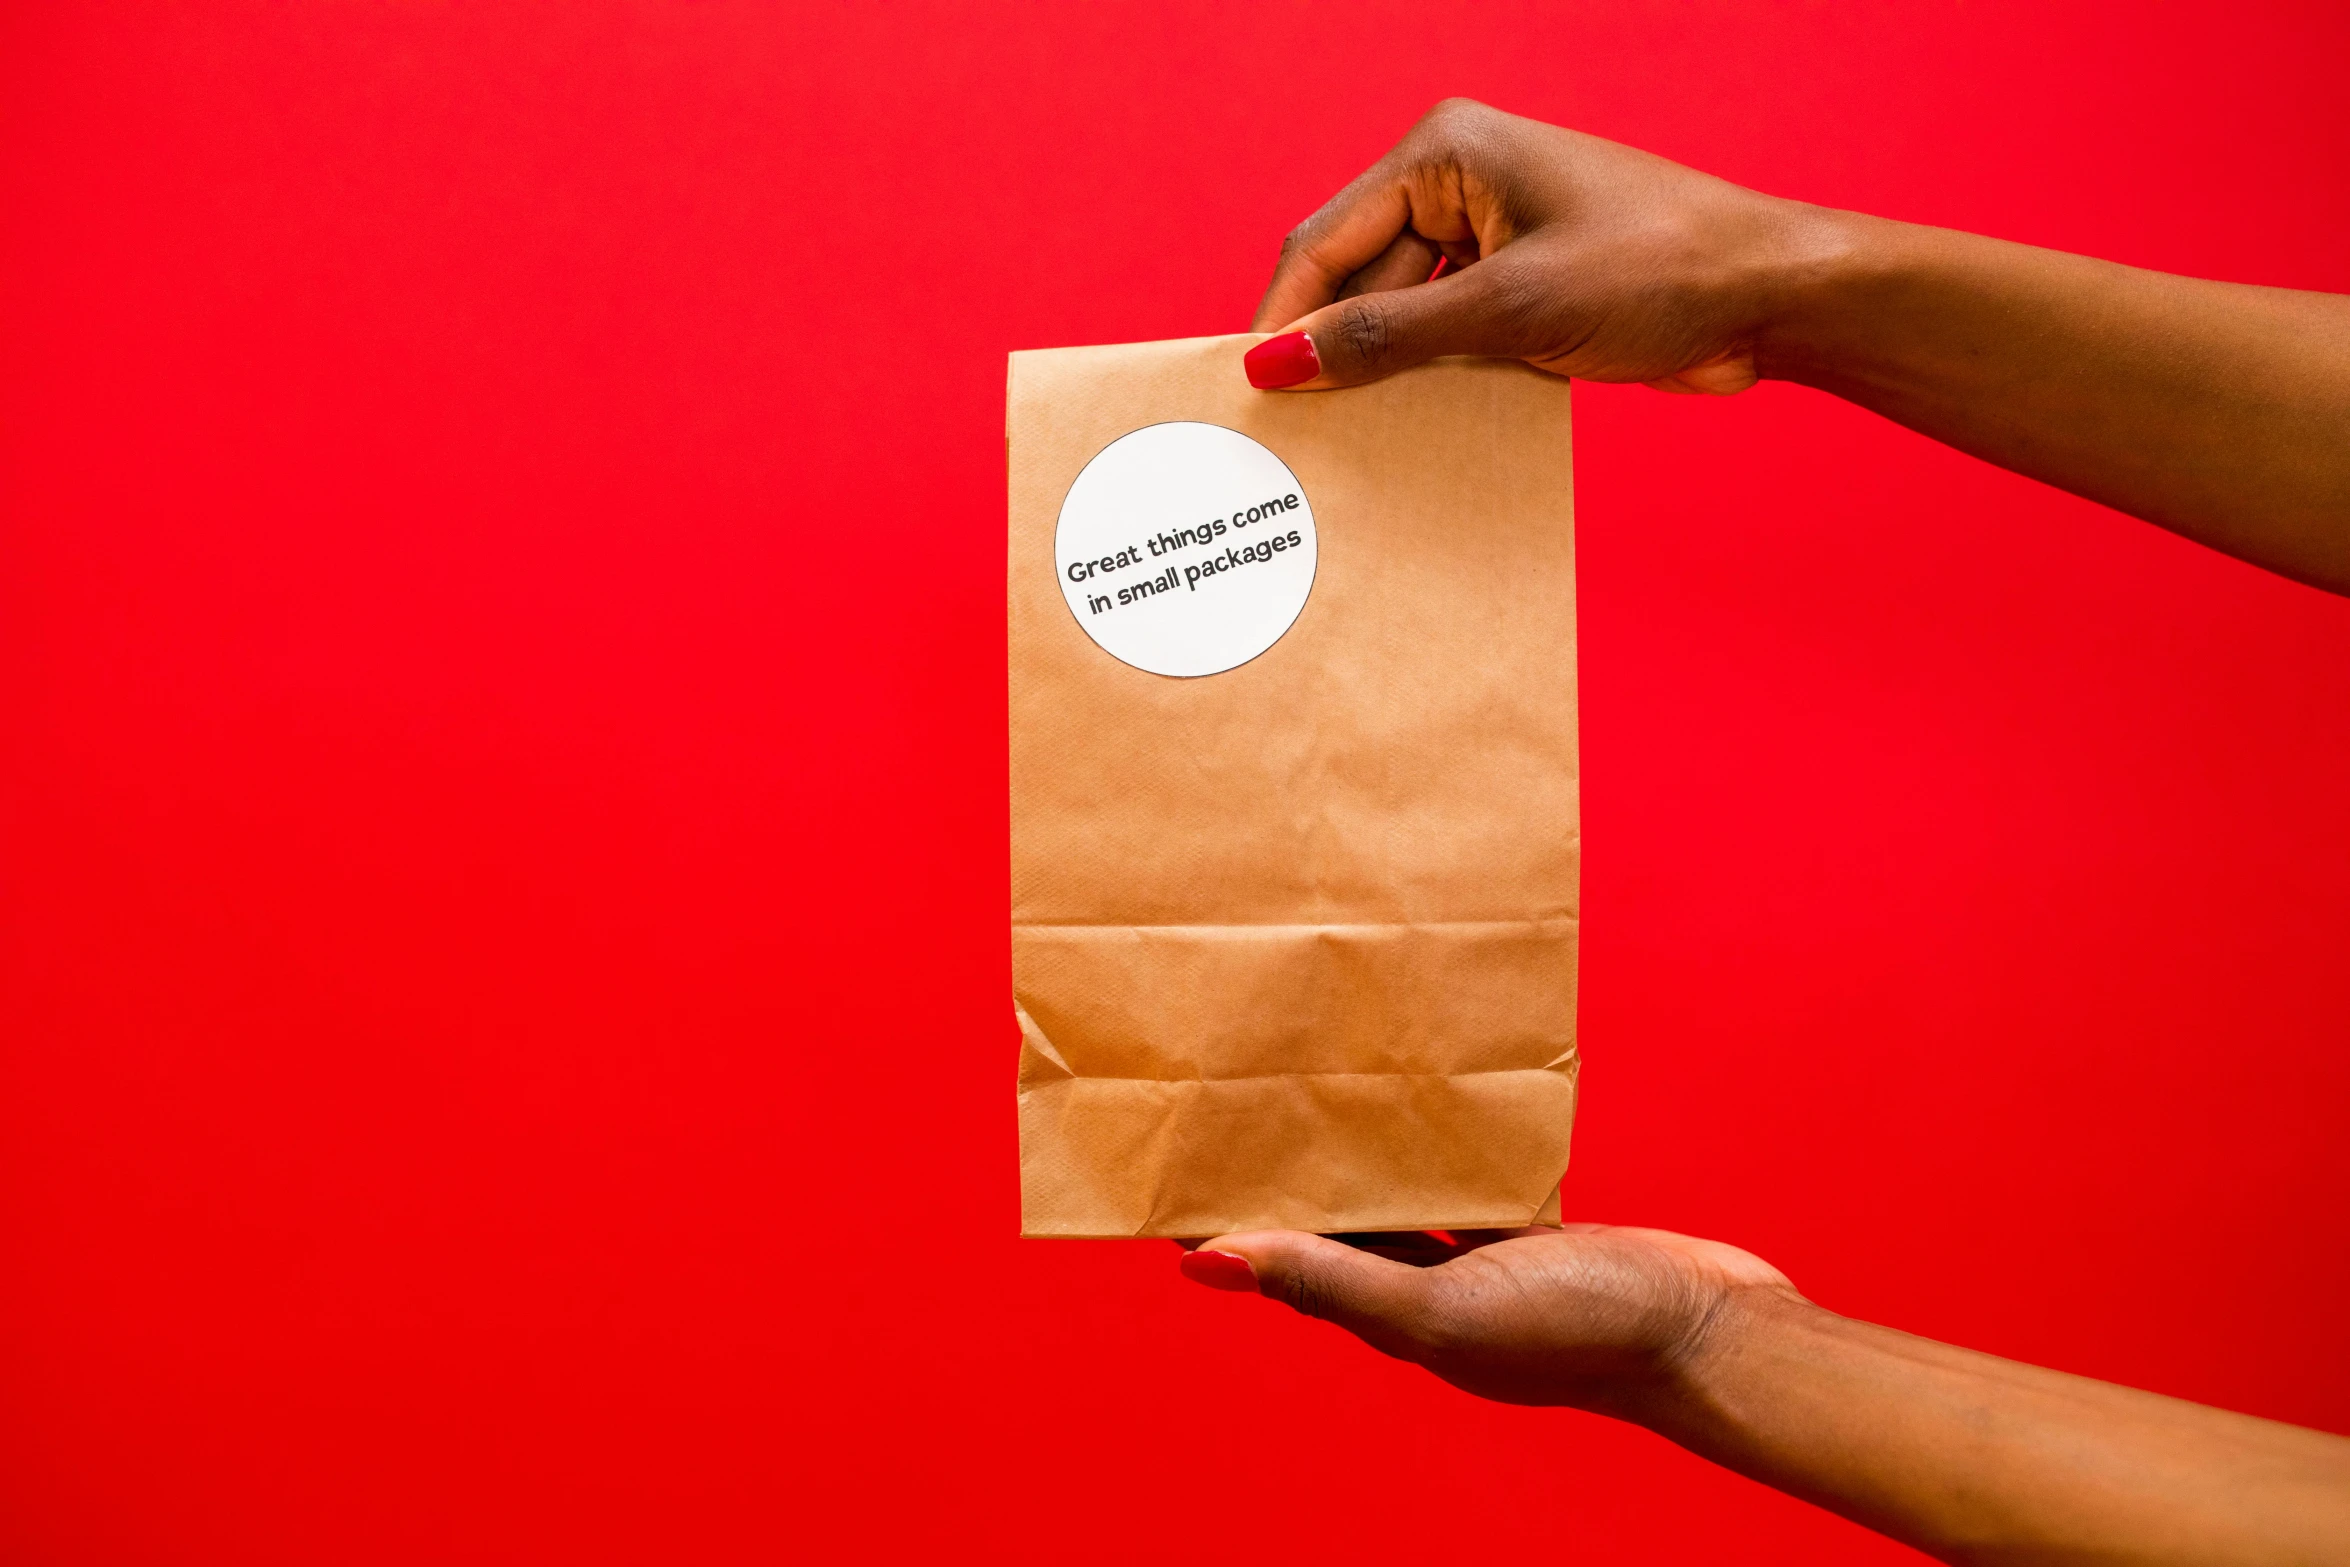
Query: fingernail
x,y
1282,361
1219,1270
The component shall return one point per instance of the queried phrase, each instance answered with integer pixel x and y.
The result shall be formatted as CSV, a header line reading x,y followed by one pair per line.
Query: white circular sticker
x,y
1185,549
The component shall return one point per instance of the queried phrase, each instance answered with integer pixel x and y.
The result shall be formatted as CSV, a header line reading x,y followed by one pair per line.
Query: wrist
x,y
1819,269
1684,1386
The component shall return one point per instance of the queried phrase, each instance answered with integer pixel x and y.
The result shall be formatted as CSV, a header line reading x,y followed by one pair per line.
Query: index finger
x,y
1352,229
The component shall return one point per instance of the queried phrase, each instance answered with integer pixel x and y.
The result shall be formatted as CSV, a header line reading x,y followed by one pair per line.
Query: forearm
x,y
1977,1459
2217,410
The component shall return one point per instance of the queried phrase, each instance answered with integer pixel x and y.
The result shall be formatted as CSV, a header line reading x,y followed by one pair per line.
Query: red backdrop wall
x,y
504,1043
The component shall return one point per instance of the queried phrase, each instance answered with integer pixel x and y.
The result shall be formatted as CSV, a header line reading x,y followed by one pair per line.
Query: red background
x,y
504,1042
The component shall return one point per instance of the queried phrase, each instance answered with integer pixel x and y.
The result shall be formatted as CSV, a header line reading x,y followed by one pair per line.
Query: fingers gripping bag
x,y
1294,791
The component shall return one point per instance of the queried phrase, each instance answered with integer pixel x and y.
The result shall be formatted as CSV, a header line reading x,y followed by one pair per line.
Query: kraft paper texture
x,y
1293,946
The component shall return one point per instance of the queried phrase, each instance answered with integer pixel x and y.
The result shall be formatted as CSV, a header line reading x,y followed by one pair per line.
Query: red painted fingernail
x,y
1282,361
1219,1270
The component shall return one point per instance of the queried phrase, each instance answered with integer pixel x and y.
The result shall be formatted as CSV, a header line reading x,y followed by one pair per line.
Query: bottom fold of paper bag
x,y
1327,1152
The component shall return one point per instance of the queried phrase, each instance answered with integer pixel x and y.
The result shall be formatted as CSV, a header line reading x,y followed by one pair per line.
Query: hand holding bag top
x,y
1295,821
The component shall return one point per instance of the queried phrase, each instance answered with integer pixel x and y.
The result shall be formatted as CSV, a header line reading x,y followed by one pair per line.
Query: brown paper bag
x,y
1293,944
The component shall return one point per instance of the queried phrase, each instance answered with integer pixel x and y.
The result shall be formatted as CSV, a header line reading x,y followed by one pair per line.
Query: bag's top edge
x,y
1111,348
1174,346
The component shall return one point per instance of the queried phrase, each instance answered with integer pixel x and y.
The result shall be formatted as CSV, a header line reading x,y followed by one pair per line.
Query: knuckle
x,y
1366,330
1304,1291
1297,245
1455,131
1456,117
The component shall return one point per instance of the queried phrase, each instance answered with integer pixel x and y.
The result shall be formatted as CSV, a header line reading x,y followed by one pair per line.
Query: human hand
x,y
1578,255
1967,1457
1592,1315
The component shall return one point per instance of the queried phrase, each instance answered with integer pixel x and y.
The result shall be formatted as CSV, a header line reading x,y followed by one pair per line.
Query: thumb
x,y
1387,1304
1374,335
